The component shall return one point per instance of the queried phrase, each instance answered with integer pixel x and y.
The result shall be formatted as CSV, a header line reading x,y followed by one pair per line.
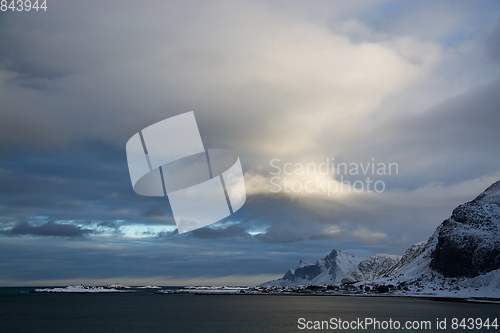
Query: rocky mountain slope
x,y
468,243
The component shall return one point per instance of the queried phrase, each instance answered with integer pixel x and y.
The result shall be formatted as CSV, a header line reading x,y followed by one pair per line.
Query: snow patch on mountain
x,y
372,268
304,263
410,254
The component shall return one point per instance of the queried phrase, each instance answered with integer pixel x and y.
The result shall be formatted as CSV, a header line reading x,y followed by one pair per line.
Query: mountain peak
x,y
491,194
333,254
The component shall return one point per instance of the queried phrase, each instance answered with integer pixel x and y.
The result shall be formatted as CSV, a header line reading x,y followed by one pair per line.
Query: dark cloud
x,y
453,141
89,177
493,43
188,258
48,229
108,224
234,231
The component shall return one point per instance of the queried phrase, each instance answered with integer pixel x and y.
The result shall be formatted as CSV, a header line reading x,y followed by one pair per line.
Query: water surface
x,y
148,312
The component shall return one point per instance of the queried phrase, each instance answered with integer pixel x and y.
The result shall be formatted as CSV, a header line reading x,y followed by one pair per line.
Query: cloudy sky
x,y
409,83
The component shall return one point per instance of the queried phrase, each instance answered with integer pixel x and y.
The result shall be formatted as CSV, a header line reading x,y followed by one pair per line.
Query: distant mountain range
x,y
337,267
461,258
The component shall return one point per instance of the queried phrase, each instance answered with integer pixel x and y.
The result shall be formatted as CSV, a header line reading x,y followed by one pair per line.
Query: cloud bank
x,y
408,83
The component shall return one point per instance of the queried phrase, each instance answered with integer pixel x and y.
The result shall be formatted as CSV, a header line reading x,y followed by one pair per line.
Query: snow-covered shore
x,y
80,288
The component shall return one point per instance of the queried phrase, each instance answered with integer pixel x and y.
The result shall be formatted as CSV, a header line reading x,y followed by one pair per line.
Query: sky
x,y
365,83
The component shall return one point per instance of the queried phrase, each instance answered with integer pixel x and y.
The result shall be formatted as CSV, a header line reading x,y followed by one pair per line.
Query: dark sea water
x,y
148,312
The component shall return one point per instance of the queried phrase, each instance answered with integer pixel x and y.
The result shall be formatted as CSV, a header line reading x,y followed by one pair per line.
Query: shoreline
x,y
485,300
245,292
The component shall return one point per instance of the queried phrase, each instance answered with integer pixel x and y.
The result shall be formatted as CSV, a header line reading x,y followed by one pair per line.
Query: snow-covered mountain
x,y
461,259
331,270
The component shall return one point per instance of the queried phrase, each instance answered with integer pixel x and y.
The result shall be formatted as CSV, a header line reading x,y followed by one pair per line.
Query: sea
x,y
22,311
